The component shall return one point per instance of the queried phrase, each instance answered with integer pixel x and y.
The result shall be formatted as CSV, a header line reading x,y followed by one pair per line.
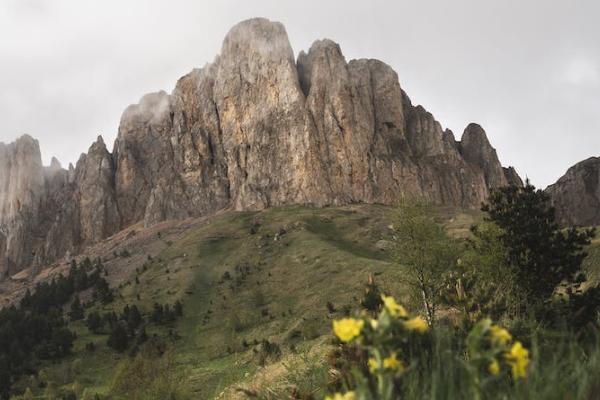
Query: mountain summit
x,y
254,129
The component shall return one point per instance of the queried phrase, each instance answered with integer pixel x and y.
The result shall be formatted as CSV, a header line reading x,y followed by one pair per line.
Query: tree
x,y
427,253
134,318
103,292
76,312
541,255
157,313
62,342
142,336
178,308
482,283
94,322
118,339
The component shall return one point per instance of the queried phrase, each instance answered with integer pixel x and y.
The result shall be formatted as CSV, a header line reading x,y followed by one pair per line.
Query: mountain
x,y
254,129
576,195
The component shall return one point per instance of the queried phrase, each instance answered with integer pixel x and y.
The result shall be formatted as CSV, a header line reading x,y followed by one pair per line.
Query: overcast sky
x,y
527,71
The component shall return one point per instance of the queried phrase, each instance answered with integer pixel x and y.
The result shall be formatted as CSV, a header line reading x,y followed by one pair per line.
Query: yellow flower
x,y
494,367
374,324
518,358
395,309
393,363
416,324
339,396
373,365
500,335
347,329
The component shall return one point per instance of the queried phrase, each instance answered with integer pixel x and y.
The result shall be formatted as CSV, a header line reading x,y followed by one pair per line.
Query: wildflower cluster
x,y
382,339
492,351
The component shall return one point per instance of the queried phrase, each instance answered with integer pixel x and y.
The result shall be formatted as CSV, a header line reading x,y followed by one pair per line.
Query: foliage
x,y
268,352
371,300
149,376
37,330
426,251
305,378
164,314
76,313
491,354
382,349
299,275
381,353
482,283
535,244
102,292
118,338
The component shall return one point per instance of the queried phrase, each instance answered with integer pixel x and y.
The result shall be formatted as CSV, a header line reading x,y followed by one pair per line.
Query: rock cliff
x,y
255,128
576,195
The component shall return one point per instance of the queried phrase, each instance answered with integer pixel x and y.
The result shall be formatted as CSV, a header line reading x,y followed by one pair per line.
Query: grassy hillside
x,y
243,278
592,262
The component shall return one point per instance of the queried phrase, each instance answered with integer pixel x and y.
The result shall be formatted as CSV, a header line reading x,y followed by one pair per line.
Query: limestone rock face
x,y
267,135
357,116
255,128
477,150
48,212
512,177
21,191
576,195
95,194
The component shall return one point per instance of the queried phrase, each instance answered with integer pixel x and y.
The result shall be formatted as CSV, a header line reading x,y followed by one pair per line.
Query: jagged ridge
x,y
254,129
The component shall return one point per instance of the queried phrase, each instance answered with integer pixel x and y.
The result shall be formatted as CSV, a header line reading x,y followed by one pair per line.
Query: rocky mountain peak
x,y
475,135
21,176
327,50
260,36
476,149
55,164
254,129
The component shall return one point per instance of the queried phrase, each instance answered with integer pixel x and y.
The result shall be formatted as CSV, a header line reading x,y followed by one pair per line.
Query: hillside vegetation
x,y
259,292
243,278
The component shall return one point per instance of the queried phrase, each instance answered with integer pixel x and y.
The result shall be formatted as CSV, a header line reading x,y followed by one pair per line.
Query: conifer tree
x,y
76,312
542,255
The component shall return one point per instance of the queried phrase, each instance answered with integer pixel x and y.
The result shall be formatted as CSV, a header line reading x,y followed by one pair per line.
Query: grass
x,y
245,277
592,262
285,264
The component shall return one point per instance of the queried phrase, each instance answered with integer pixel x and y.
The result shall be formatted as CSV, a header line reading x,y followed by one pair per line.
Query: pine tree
x,y
178,308
157,314
103,292
76,312
134,318
118,338
541,255
94,322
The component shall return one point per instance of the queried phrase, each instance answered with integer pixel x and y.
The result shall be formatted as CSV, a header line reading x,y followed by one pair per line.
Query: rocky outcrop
x,y
254,129
576,195
21,192
48,212
477,150
95,194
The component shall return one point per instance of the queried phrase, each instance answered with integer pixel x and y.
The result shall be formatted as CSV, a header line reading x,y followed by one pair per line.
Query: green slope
x,y
244,278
